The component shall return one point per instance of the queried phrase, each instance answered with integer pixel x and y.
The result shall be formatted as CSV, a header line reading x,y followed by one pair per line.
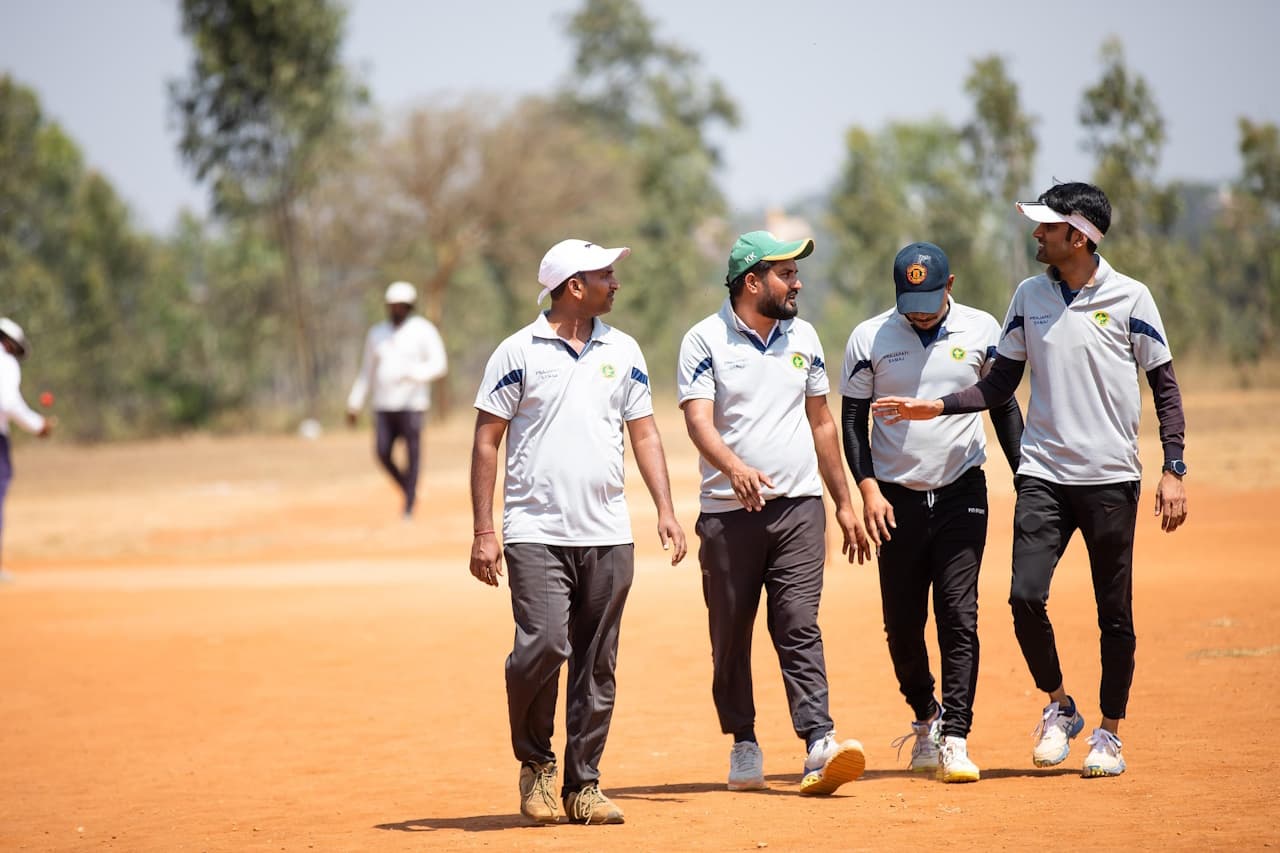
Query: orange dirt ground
x,y
235,644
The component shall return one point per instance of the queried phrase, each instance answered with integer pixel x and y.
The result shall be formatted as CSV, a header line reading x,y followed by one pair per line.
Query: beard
x,y
777,309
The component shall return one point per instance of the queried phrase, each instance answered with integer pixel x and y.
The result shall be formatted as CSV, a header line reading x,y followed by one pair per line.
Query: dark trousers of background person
x,y
403,425
782,550
1044,518
6,474
938,542
567,603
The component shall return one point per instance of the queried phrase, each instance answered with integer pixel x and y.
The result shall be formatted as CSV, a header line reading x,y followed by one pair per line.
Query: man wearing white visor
x,y
1085,330
562,389
403,355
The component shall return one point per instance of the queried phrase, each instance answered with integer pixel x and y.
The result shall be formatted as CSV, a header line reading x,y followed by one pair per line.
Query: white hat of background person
x,y
1039,212
574,256
13,332
401,293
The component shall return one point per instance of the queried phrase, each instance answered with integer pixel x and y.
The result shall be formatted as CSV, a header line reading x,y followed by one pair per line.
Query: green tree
x,y
265,102
650,97
1002,143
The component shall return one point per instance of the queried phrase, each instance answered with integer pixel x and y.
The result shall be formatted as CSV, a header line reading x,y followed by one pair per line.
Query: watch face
x,y
1177,466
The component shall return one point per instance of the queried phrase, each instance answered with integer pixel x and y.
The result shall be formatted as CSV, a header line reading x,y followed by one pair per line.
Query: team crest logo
x,y
916,273
1102,318
797,361
957,354
607,371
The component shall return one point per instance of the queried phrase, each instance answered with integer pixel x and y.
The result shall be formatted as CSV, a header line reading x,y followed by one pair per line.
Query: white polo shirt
x,y
1082,421
564,442
759,389
399,363
885,357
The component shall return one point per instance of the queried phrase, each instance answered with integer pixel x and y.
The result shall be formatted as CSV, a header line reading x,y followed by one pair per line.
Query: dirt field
x,y
235,644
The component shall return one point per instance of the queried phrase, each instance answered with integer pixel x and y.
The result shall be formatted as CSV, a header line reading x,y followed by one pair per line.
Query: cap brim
x,y
1039,212
922,301
792,251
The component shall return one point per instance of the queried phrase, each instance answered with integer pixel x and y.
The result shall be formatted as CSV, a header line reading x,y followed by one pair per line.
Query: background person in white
x,y
403,355
13,347
753,388
561,390
1085,331
924,494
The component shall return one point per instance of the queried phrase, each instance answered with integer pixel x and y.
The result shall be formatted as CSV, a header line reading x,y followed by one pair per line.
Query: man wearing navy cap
x,y
1086,331
753,387
924,494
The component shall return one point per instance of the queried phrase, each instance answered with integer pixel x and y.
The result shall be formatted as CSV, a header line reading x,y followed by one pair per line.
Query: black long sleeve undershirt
x,y
1168,400
989,391
854,416
1006,420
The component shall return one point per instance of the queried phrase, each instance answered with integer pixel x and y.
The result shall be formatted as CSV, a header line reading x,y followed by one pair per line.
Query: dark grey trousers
x,y
389,426
782,550
567,603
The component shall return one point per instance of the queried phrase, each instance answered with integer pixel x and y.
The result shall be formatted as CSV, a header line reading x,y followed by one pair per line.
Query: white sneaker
x,y
924,752
954,764
1104,758
830,764
746,767
1055,731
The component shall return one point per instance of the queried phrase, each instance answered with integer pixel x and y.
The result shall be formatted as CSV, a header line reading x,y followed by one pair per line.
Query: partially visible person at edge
x,y
14,347
1085,330
924,494
753,388
403,355
561,390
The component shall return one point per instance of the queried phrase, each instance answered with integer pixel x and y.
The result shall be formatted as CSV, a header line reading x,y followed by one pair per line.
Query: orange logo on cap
x,y
916,273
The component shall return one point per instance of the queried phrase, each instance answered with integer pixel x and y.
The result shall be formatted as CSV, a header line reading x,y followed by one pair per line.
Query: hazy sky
x,y
802,72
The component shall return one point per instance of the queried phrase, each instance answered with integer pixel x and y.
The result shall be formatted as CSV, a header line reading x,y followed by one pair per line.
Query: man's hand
x,y
856,544
47,430
894,409
486,558
746,483
352,417
878,514
1171,502
670,533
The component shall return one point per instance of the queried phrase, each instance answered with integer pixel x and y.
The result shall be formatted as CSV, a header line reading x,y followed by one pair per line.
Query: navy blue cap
x,y
920,274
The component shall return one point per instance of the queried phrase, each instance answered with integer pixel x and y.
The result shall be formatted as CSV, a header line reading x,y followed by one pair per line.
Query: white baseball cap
x,y
401,293
1040,212
573,256
13,332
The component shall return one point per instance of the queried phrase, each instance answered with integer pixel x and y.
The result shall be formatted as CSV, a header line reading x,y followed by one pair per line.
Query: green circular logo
x,y
797,361
607,371
1102,318
957,354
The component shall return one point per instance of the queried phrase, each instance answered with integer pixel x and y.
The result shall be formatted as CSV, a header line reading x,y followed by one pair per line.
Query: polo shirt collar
x,y
600,331
1100,275
731,319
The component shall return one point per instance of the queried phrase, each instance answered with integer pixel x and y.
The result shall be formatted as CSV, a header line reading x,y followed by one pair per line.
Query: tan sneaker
x,y
590,805
538,800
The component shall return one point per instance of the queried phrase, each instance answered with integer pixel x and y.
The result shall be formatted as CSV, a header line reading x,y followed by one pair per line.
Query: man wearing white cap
x,y
14,346
753,387
403,355
561,389
1085,330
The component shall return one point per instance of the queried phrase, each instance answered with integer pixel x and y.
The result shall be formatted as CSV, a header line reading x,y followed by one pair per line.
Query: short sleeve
x,y
1146,333
503,382
638,402
695,370
857,377
1013,337
816,383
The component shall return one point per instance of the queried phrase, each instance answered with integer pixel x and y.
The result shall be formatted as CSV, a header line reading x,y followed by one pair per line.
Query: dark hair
x,y
760,268
1085,199
558,290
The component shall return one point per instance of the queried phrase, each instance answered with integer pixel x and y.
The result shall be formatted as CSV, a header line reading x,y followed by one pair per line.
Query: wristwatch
x,y
1176,467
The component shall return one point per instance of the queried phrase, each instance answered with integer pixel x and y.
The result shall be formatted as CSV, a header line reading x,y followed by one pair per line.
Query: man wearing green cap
x,y
753,387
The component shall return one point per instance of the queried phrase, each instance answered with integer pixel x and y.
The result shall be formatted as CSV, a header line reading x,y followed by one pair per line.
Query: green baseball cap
x,y
756,246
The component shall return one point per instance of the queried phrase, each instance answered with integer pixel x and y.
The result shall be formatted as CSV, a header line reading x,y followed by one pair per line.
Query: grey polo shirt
x,y
759,389
1085,353
885,357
